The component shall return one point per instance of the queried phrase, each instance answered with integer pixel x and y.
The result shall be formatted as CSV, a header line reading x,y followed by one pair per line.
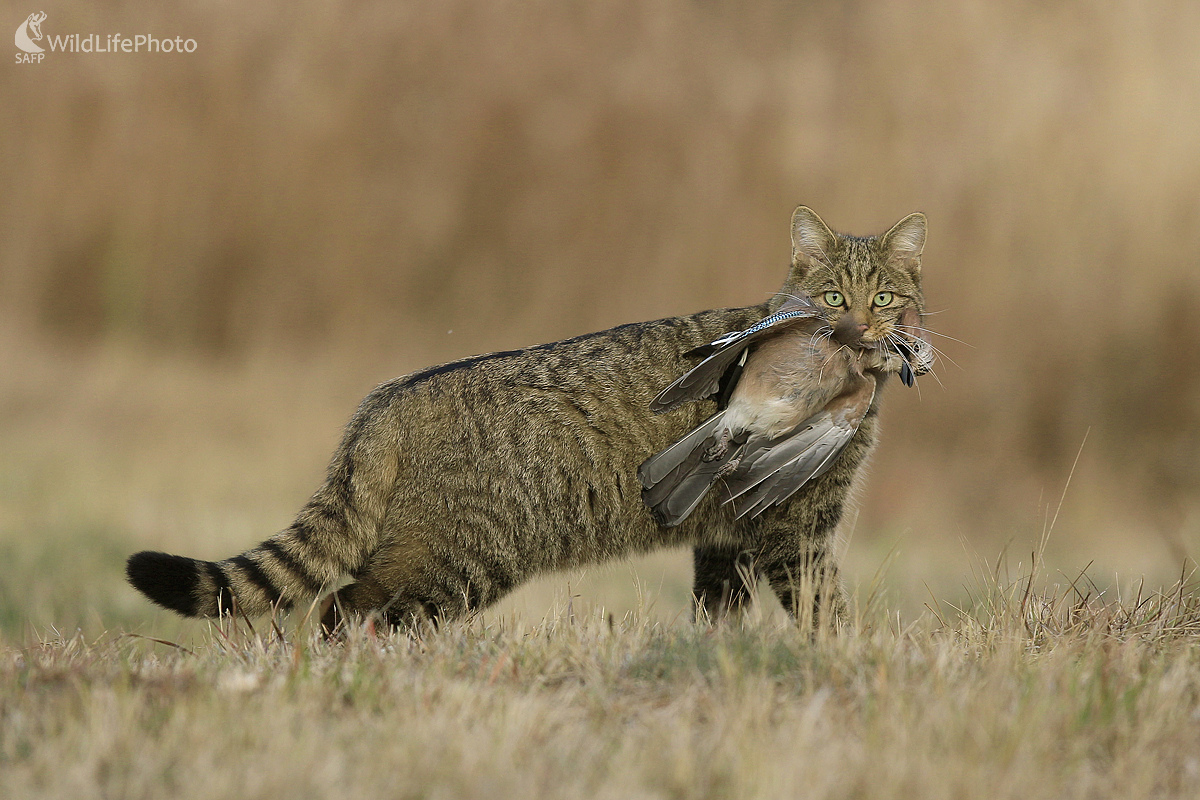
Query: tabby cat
x,y
455,484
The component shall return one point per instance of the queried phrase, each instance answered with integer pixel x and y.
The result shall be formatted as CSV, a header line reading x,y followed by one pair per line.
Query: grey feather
x,y
785,467
677,479
656,468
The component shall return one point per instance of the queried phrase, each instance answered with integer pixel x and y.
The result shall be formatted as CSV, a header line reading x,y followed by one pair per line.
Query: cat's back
x,y
601,379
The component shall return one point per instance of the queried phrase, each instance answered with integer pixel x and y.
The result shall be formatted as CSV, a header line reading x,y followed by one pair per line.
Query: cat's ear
x,y
812,241
905,241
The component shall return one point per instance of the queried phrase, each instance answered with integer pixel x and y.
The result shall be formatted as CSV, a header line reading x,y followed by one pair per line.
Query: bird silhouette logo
x,y
30,32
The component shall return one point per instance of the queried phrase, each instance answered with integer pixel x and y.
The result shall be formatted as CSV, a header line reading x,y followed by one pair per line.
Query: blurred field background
x,y
208,259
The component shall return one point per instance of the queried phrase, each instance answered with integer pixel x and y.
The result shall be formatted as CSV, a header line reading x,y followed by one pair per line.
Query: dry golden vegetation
x,y
206,260
1028,695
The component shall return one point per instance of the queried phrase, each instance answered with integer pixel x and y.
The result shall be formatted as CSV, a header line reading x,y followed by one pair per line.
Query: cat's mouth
x,y
892,350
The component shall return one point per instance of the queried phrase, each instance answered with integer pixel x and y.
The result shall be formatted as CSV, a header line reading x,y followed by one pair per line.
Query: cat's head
x,y
869,286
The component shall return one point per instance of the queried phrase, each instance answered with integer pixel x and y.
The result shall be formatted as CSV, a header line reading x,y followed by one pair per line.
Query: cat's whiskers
x,y
897,343
941,354
823,263
894,340
817,339
825,338
936,350
789,295
892,344
823,335
934,333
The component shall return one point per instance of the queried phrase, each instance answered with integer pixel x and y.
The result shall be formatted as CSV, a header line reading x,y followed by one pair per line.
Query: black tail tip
x,y
170,581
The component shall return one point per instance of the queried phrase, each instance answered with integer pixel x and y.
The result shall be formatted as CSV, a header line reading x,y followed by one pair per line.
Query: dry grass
x,y
1033,694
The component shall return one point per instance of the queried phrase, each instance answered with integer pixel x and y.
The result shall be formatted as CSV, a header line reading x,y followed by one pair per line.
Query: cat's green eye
x,y
884,299
834,299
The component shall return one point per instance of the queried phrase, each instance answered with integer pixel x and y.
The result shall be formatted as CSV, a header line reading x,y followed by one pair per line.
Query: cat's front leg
x,y
796,554
810,588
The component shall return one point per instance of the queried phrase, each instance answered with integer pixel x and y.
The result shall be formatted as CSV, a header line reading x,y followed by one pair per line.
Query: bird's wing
x,y
704,379
772,471
654,469
675,480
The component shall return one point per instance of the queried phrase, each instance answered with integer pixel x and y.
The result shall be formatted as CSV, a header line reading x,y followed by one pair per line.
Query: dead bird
x,y
797,389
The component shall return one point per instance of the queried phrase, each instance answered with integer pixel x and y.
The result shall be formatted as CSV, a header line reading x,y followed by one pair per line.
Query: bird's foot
x,y
719,448
728,468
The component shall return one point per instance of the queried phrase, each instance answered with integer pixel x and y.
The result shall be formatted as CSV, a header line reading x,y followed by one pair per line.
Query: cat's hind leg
x,y
720,581
410,583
